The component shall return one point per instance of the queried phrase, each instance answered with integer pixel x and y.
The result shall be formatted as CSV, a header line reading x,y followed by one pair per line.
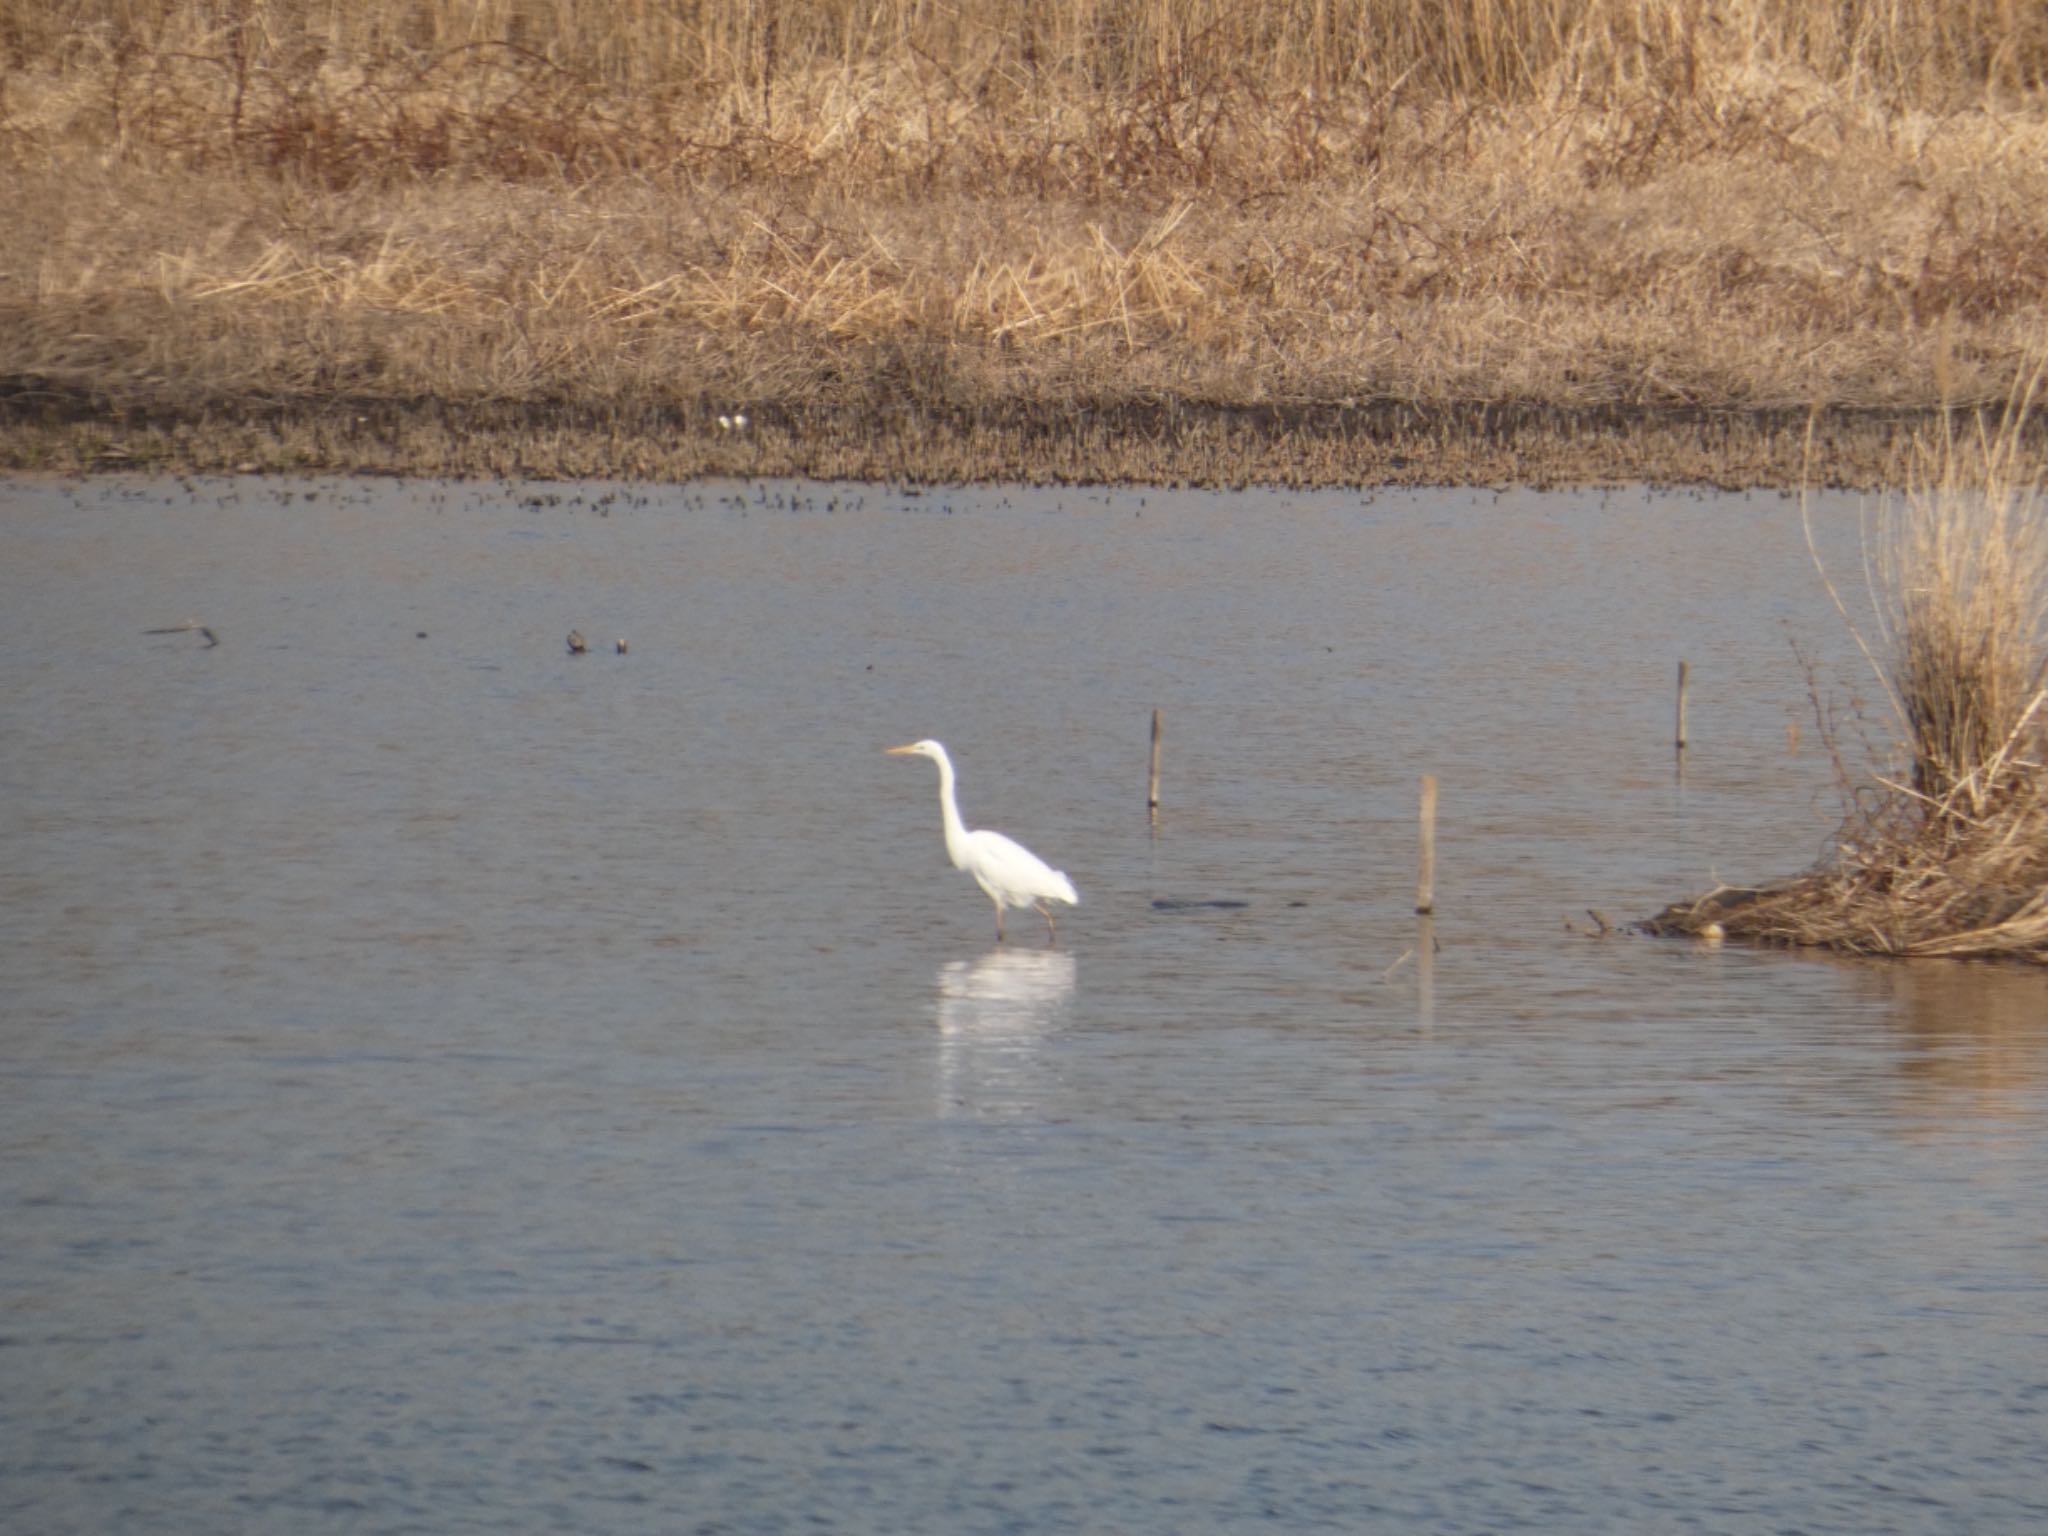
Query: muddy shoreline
x,y
52,427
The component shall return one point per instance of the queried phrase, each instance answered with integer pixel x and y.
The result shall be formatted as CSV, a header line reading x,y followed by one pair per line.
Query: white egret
x,y
1011,874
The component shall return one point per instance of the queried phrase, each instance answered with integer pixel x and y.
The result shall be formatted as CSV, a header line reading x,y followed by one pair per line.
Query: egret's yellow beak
x,y
899,751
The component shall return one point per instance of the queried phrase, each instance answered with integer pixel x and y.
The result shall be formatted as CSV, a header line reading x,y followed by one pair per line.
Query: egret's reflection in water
x,y
996,1015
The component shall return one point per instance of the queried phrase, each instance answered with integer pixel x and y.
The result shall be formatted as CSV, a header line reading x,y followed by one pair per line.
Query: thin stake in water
x,y
1425,883
1152,790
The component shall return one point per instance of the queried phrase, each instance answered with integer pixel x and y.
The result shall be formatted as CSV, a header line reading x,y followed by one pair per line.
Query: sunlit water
x,y
450,1084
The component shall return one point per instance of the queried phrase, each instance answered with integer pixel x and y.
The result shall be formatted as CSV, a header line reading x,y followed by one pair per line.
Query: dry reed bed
x,y
1950,857
1902,883
1015,207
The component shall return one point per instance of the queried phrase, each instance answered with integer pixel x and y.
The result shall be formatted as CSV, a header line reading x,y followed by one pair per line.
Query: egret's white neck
x,y
949,814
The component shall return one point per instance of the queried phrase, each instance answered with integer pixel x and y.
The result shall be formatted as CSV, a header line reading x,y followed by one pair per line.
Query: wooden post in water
x,y
1425,883
1152,784
1684,671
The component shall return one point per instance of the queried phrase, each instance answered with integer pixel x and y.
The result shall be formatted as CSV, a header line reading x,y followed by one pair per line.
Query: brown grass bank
x,y
1947,855
1361,241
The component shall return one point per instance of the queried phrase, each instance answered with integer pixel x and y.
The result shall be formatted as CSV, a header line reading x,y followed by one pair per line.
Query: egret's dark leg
x,y
999,919
1051,934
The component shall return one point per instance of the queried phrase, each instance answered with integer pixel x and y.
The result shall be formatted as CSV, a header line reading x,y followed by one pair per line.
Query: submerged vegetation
x,y
1950,855
1353,240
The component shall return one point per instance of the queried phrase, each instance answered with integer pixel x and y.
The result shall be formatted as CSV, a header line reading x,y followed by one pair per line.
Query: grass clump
x,y
1950,855
1966,575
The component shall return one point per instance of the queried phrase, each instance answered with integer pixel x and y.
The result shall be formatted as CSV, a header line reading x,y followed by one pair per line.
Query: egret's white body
x,y
1011,874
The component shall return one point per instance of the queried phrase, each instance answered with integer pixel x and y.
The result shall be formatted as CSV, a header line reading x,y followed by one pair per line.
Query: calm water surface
x,y
447,1084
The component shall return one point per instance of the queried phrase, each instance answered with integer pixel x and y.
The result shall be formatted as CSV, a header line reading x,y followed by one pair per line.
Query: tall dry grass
x,y
1048,94
1641,204
1964,599
1477,50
